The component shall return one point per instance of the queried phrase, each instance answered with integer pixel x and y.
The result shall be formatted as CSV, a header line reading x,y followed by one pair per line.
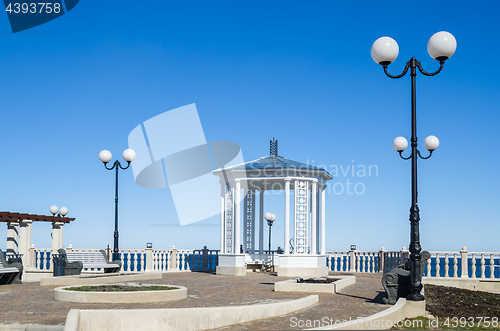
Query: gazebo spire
x,y
273,147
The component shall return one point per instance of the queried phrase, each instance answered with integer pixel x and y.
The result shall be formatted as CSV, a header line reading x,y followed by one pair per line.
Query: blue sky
x,y
299,70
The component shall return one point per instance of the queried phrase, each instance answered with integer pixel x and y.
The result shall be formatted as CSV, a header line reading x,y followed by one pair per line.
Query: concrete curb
x,y
381,321
30,327
291,285
62,294
179,318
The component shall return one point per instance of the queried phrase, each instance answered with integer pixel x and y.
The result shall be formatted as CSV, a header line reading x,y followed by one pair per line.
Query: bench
x,y
10,273
91,261
397,281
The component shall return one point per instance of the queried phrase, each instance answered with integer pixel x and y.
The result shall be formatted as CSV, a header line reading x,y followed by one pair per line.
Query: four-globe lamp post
x,y
441,47
105,156
270,218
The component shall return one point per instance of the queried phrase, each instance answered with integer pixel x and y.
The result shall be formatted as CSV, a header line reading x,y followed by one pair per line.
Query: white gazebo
x,y
304,228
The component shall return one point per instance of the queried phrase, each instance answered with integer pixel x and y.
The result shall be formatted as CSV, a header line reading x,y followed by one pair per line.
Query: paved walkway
x,y
31,303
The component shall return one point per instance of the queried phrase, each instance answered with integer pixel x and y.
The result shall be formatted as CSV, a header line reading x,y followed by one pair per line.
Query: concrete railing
x,y
463,264
136,260
353,261
442,264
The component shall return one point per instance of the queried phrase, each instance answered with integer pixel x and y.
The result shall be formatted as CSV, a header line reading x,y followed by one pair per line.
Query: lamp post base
x,y
415,297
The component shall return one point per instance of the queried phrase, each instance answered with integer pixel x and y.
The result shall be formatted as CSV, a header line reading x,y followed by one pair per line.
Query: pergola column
x,y
237,219
287,216
25,241
57,236
12,238
261,222
323,218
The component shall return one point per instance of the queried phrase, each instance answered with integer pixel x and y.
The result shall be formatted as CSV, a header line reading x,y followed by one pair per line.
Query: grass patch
x,y
121,288
456,309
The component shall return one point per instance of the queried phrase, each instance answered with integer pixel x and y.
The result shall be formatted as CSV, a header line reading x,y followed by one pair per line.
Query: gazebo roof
x,y
277,164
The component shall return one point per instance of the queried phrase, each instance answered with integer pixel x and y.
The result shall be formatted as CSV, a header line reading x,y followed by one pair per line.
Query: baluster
x,y
46,259
135,260
438,267
181,261
372,263
129,260
329,261
446,266
357,262
455,266
341,261
492,266
483,269
169,257
363,262
335,261
177,261
188,268
122,259
143,257
429,267
473,261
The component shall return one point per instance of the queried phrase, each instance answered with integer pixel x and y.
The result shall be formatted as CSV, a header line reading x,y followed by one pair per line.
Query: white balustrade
x,y
178,260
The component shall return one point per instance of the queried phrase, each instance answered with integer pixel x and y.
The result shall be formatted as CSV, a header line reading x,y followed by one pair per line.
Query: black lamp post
x,y
270,218
441,47
105,156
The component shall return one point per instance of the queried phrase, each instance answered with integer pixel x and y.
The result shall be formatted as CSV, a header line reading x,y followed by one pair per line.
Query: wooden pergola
x,y
19,228
6,216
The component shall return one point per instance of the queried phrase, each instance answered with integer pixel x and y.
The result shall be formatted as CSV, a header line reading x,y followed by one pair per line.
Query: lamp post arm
x,y
404,158
128,165
424,158
114,165
400,75
419,66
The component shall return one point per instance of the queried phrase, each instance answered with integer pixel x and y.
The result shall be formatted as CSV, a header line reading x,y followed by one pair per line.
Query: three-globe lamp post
x,y
105,156
270,218
385,50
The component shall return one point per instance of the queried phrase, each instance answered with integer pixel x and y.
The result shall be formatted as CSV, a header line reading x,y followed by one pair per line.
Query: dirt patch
x,y
121,288
318,280
443,302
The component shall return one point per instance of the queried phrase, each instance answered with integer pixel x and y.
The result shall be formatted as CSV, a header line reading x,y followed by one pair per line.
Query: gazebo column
x,y
261,222
237,218
222,218
314,191
317,220
323,221
287,216
231,262
12,238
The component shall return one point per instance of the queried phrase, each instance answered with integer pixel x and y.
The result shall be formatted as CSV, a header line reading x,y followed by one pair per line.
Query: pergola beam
x,y
8,217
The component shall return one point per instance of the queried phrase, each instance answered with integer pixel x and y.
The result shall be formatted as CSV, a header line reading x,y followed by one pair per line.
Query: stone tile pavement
x,y
31,303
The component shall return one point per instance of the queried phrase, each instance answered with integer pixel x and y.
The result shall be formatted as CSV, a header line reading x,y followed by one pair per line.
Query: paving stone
x,y
30,303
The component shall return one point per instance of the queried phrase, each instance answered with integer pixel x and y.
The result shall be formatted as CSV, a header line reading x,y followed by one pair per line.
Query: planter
x,y
292,285
63,294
